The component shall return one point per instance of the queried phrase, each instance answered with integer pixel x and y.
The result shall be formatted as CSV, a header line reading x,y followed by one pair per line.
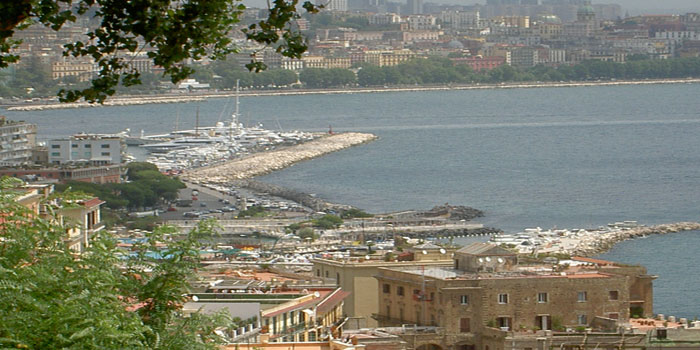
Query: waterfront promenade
x,y
266,162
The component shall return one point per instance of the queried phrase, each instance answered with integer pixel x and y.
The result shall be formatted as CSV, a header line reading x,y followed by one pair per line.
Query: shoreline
x,y
174,98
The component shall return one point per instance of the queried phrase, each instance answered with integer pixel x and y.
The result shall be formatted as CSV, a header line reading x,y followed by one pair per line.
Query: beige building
x,y
488,289
357,276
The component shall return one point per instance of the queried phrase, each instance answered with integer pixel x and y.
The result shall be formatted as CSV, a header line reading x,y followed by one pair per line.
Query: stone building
x,y
490,290
357,276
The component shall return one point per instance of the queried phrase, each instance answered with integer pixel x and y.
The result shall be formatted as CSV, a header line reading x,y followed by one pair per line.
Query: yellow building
x,y
357,276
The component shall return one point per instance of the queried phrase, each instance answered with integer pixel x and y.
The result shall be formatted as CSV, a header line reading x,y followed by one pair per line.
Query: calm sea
x,y
548,157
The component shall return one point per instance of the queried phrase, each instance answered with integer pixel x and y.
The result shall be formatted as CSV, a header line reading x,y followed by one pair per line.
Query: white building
x,y
334,5
422,22
17,139
460,20
87,148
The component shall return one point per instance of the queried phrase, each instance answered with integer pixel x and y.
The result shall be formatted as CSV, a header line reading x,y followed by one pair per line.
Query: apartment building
x,y
488,289
17,140
88,148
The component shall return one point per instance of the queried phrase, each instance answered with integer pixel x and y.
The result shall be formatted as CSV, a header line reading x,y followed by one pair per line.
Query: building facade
x,y
87,148
488,288
17,140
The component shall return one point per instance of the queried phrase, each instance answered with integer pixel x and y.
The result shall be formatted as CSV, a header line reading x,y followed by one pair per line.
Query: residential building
x,y
357,276
489,291
81,69
414,7
81,218
95,174
95,149
282,314
17,140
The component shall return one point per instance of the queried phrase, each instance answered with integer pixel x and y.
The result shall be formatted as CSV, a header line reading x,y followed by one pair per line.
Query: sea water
x,y
550,157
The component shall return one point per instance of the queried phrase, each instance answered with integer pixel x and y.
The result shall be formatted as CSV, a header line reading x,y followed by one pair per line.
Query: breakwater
x,y
304,199
595,244
263,163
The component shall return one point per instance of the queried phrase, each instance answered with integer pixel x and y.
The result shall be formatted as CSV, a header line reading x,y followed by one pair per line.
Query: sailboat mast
x,y
196,125
237,95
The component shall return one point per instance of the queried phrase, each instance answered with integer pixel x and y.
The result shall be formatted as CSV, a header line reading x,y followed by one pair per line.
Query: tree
x,y
51,298
171,31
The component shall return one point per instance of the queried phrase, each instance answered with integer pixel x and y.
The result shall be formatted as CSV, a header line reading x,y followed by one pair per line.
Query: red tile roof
x,y
332,301
92,202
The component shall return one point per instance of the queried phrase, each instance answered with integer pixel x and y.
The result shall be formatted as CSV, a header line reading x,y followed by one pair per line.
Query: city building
x,y
92,149
275,315
81,218
490,291
357,276
101,174
17,140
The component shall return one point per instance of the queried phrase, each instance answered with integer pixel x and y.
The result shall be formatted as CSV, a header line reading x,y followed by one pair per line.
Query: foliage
x,y
51,298
224,74
170,31
636,312
148,187
557,324
148,223
307,232
355,213
254,211
325,78
328,221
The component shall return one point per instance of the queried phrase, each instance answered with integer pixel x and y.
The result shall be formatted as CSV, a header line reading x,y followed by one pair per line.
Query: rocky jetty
x,y
263,163
597,244
304,199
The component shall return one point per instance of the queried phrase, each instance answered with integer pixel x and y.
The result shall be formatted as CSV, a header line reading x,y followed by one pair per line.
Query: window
x,y
464,299
503,298
337,278
75,145
614,295
386,288
87,154
318,272
582,319
464,325
582,297
326,274
105,154
55,154
87,145
105,145
55,146
503,322
388,311
542,297
399,290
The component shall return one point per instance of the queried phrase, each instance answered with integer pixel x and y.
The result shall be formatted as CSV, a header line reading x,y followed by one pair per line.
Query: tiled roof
x,y
330,302
484,249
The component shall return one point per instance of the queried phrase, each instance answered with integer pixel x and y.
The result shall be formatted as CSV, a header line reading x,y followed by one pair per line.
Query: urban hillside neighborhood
x,y
378,42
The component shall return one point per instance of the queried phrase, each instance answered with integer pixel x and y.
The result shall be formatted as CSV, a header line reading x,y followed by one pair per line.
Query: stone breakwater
x,y
264,163
595,244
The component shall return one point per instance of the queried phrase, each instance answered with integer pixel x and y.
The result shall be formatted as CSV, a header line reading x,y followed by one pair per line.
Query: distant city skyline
x,y
634,7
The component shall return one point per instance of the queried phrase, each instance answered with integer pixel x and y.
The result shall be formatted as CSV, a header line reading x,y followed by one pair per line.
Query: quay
x,y
264,163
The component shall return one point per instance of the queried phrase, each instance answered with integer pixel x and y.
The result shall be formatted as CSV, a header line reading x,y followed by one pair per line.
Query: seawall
x,y
264,163
598,244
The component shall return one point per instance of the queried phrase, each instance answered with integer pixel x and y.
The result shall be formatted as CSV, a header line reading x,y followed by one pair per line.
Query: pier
x,y
264,163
